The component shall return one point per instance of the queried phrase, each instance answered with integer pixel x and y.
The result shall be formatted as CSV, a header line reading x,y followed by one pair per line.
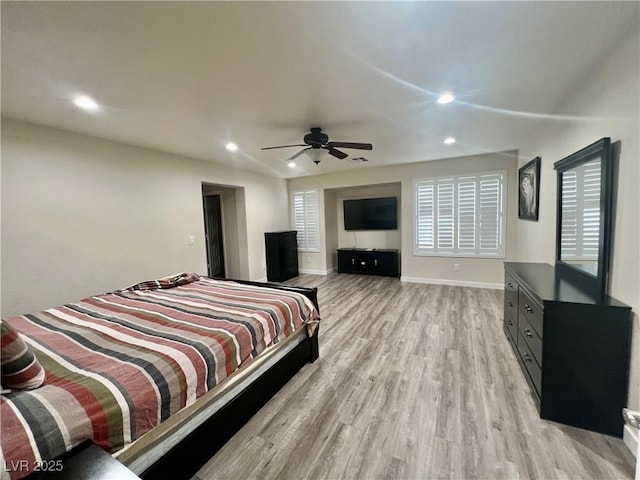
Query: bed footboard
x,y
310,293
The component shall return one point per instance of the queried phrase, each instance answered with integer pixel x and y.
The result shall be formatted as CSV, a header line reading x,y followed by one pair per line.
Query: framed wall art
x,y
529,190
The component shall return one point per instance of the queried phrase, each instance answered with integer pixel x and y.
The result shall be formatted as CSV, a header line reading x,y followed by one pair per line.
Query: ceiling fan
x,y
316,140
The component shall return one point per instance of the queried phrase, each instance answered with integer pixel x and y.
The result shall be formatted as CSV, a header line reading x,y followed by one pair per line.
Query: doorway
x,y
214,235
227,245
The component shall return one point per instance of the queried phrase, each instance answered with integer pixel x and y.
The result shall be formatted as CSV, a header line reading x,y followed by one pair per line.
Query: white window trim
x,y
426,253
316,225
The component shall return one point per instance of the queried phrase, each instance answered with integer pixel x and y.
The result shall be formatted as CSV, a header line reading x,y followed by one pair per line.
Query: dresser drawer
x,y
510,325
531,338
512,340
510,295
530,365
529,309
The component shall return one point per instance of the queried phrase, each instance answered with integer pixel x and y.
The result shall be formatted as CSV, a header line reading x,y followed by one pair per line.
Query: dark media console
x,y
368,261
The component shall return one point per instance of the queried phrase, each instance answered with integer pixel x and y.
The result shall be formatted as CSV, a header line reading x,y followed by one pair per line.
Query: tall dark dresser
x,y
282,255
573,349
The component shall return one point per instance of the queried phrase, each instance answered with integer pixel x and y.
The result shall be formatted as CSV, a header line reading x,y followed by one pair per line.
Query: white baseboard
x,y
453,283
311,271
630,438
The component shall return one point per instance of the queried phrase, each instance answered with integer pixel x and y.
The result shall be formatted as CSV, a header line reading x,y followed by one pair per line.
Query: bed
x,y
162,370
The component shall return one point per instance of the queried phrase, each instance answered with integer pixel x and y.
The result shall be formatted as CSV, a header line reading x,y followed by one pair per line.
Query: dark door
x,y
213,235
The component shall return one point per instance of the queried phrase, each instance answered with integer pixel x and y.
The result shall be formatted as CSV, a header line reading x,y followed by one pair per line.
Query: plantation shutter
x,y
305,219
467,201
460,215
425,224
445,216
490,212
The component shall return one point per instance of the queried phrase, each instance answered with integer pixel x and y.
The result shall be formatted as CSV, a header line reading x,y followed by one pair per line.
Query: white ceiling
x,y
186,77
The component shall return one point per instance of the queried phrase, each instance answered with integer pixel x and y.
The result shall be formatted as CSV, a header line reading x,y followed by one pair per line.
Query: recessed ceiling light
x,y
291,164
446,97
449,140
232,147
86,103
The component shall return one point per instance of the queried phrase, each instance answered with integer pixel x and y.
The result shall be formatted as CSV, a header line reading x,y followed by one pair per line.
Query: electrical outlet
x,y
191,239
456,267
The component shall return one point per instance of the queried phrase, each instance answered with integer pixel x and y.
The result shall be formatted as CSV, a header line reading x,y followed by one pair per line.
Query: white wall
x,y
473,271
82,216
607,104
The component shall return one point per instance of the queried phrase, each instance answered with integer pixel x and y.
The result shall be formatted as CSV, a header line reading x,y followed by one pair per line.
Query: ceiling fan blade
x,y
293,157
284,146
361,146
336,153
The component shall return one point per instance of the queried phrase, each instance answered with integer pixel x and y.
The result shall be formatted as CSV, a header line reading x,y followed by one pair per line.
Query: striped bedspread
x,y
119,364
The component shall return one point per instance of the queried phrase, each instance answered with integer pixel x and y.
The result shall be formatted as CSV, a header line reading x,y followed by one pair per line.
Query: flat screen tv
x,y
371,214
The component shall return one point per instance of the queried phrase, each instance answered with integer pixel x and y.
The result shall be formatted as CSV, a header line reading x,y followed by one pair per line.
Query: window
x,y
460,216
305,220
580,237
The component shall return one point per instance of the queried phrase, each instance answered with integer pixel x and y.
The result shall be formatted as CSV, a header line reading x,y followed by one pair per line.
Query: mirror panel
x,y
580,223
583,227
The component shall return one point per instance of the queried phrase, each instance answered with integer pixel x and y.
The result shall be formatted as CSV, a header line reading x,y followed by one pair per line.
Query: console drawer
x,y
530,309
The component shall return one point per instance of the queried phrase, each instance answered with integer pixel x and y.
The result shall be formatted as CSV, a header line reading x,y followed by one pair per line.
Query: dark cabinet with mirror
x,y
573,349
571,339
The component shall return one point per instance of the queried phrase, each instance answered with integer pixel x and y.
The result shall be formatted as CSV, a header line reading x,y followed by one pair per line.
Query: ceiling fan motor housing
x,y
316,137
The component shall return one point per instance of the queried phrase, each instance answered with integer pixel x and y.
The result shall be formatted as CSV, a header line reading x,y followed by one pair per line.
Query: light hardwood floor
x,y
413,381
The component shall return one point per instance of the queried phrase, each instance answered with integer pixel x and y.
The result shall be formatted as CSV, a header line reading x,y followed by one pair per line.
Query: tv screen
x,y
371,214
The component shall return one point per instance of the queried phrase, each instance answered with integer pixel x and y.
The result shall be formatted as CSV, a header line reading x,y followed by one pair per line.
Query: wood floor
x,y
413,381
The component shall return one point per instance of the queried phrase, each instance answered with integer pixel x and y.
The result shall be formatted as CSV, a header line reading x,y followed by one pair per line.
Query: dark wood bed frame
x,y
188,456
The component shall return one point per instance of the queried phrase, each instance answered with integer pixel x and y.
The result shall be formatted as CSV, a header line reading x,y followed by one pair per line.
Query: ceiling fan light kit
x,y
318,145
316,154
